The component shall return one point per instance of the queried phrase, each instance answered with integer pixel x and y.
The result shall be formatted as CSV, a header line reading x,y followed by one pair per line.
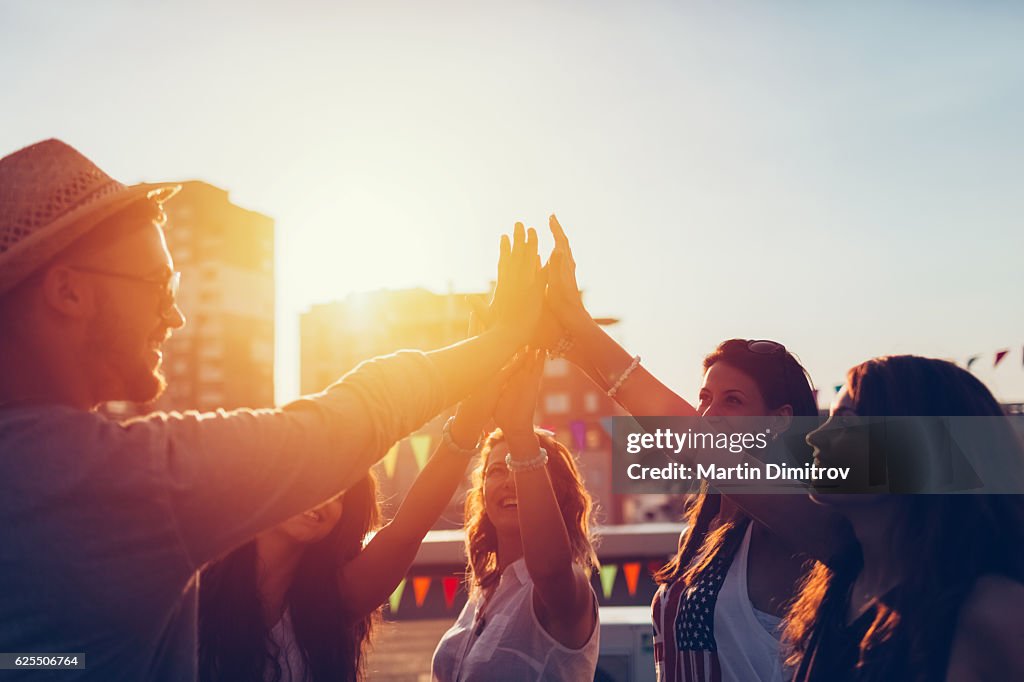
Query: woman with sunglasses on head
x,y
934,587
532,613
717,614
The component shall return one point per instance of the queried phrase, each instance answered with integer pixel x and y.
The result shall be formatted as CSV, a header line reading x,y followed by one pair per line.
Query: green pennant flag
x,y
396,597
421,448
390,460
608,573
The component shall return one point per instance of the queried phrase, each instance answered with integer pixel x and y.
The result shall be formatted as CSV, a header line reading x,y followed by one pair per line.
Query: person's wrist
x,y
577,321
465,431
522,442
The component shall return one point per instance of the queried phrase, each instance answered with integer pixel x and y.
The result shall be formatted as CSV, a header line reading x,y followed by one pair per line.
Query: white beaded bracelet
x,y
538,462
449,442
622,378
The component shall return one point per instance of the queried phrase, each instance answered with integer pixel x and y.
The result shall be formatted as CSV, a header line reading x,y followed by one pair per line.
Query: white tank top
x,y
748,639
511,645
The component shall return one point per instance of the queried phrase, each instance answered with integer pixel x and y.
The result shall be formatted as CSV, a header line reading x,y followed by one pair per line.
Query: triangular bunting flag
x,y
654,566
838,387
396,597
390,460
1000,354
606,424
579,433
971,360
420,587
451,587
608,573
421,448
632,573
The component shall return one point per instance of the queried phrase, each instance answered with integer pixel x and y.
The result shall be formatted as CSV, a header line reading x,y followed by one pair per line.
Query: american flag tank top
x,y
684,626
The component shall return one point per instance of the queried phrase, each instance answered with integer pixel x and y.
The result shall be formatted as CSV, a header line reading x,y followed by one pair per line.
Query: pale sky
x,y
841,177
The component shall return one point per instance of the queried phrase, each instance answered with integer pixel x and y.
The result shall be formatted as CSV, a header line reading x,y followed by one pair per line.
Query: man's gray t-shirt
x,y
104,525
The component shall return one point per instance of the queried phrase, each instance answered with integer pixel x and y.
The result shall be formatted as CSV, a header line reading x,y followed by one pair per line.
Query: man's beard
x,y
127,374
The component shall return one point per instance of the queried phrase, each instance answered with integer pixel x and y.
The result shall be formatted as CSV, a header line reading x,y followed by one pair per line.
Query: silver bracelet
x,y
622,378
449,442
538,462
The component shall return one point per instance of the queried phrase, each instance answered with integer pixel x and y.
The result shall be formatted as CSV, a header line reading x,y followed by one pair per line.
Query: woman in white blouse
x,y
532,613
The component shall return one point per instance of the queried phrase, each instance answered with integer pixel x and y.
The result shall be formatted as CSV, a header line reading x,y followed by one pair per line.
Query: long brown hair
x,y
234,641
482,572
782,380
943,543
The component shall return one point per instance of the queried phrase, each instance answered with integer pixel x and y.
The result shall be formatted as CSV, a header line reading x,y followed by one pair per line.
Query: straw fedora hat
x,y
50,195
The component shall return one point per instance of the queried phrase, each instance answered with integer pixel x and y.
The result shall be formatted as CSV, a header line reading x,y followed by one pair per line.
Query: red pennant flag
x,y
1000,354
654,566
420,587
632,573
451,586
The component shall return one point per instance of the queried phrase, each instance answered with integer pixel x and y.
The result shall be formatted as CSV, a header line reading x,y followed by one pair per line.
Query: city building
x,y
224,356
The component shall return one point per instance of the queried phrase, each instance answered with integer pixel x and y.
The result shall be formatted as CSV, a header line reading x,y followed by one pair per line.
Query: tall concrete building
x,y
224,356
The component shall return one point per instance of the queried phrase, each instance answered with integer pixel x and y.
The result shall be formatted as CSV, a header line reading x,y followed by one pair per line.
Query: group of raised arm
x,y
763,587
317,590
107,523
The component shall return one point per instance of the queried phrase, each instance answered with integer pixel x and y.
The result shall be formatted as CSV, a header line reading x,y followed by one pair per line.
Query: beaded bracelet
x,y
449,442
622,378
538,462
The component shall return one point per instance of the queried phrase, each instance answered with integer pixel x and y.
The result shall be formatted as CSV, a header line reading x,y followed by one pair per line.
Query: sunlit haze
x,y
844,178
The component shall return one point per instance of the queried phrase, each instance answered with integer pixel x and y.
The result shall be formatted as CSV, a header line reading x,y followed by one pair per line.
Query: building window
x,y
591,401
556,403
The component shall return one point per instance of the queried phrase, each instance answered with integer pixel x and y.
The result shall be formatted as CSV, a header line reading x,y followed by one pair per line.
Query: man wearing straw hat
x,y
105,524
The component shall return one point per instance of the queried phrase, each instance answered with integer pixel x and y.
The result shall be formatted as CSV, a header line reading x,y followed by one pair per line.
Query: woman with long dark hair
x,y
272,609
532,613
933,589
717,613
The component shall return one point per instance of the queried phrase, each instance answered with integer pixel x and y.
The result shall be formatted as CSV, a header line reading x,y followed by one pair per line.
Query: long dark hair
x,y
234,641
782,380
943,543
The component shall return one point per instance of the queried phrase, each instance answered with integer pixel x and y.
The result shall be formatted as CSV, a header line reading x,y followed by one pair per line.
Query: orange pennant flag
x,y
420,587
632,573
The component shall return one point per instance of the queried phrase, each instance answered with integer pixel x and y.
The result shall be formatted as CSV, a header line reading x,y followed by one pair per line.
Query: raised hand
x,y
563,294
519,292
518,401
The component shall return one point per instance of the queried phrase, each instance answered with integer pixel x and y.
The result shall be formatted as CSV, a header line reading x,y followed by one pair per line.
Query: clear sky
x,y
842,177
